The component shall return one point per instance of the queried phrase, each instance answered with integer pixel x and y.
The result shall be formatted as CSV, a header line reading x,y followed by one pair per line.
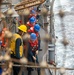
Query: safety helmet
x,y
33,12
22,28
32,19
37,27
33,36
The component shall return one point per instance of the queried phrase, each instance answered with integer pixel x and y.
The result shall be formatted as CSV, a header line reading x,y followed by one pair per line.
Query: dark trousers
x,y
38,72
31,69
16,70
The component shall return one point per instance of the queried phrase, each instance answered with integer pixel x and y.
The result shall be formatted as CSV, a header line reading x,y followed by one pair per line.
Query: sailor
x,y
17,47
3,45
32,13
35,29
33,52
31,22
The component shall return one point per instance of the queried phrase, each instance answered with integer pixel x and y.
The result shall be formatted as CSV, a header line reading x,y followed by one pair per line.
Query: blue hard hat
x,y
33,12
37,27
32,19
33,36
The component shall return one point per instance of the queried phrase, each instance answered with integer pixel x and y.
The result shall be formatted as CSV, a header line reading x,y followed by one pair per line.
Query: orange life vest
x,y
30,25
34,45
31,30
3,39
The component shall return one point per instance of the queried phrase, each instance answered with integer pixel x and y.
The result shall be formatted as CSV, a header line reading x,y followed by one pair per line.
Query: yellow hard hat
x,y
22,28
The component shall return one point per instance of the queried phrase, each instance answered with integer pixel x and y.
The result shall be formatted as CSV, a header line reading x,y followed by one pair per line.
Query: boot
x,y
38,71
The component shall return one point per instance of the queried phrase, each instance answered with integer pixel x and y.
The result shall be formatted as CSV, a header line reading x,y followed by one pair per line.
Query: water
x,y
65,56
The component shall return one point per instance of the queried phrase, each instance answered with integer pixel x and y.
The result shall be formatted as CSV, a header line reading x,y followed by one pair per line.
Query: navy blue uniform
x,y
32,52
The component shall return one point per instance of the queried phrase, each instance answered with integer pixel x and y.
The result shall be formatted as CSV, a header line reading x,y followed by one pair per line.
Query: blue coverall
x,y
30,59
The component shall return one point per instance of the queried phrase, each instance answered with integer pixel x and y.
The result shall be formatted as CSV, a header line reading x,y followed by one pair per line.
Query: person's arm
x,y
17,46
30,52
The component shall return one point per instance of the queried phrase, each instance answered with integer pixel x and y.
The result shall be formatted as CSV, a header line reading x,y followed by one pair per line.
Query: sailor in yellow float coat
x,y
14,48
17,47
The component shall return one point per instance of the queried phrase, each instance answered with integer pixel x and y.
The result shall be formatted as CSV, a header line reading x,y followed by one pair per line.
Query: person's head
x,y
35,8
33,12
37,27
22,29
33,36
32,19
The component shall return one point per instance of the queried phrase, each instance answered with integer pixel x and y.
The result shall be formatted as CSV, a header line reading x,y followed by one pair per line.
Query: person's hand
x,y
37,52
34,57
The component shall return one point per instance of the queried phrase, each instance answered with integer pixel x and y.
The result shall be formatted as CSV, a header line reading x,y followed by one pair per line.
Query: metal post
x,y
51,48
51,52
51,21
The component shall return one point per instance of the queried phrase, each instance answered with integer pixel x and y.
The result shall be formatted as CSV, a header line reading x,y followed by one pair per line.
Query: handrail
x,y
48,67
